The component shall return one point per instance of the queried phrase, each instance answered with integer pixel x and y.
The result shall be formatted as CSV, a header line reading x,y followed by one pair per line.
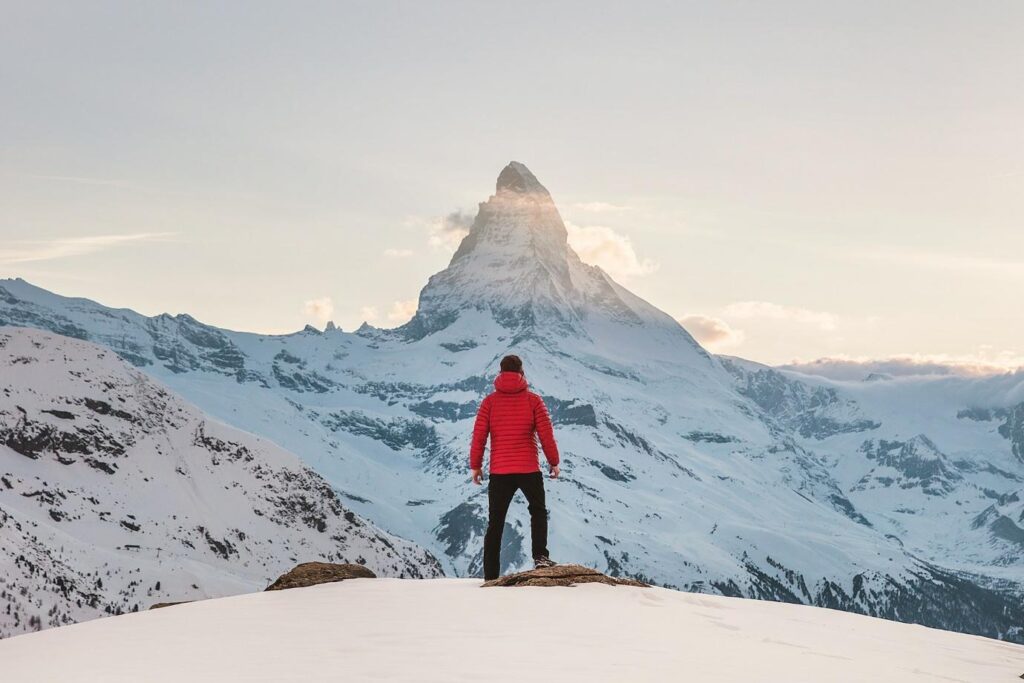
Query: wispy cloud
x,y
600,207
320,309
29,251
402,311
114,183
613,252
985,361
369,314
931,260
767,310
398,253
399,313
82,180
713,333
447,232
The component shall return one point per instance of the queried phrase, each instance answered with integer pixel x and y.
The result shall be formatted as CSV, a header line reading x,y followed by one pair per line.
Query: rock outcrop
x,y
314,573
561,575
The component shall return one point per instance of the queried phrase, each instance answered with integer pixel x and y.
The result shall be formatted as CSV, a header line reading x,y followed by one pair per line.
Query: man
x,y
514,417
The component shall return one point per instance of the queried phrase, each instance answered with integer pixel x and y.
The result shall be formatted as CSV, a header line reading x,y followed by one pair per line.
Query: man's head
x,y
512,364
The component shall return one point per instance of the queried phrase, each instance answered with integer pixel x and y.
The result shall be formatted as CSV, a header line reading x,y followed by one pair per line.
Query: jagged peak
x,y
516,177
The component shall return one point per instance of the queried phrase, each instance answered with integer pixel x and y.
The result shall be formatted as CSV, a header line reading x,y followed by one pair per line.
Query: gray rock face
x,y
517,178
1012,428
315,573
561,575
811,412
915,463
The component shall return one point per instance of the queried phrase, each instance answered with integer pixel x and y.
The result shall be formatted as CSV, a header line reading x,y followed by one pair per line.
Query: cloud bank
x,y
909,366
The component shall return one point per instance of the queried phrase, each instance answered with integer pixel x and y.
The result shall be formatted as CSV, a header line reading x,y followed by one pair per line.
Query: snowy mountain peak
x,y
517,178
516,267
519,220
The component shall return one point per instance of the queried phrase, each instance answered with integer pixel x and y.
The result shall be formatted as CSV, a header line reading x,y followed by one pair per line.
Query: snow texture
x,y
451,630
115,494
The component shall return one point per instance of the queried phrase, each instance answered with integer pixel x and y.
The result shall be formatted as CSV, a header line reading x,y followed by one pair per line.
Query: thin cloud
x,y
601,207
103,182
399,313
984,362
827,322
713,333
447,232
1013,269
402,311
30,251
398,253
369,314
320,309
82,180
611,251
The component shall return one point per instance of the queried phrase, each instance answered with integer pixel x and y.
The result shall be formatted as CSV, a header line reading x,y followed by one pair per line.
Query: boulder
x,y
314,573
561,575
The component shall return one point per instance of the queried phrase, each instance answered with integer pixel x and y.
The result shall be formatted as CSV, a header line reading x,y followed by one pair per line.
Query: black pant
x,y
500,490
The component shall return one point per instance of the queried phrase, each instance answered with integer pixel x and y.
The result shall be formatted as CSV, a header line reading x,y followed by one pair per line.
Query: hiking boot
x,y
543,561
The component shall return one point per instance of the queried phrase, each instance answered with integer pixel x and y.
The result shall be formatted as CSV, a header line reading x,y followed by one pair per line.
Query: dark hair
x,y
512,364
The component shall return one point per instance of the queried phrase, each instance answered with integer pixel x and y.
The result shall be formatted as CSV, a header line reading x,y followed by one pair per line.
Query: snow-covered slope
x,y
116,494
941,471
689,470
451,630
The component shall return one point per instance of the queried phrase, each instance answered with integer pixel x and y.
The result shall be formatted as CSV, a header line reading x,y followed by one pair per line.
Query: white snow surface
x,y
452,630
115,494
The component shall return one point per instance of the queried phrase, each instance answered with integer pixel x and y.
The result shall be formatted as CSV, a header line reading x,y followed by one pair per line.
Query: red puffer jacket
x,y
514,418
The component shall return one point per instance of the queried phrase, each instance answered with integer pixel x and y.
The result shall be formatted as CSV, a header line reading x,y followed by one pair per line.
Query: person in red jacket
x,y
514,418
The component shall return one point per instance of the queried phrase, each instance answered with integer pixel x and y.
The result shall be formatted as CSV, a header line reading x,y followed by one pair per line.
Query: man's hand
x,y
555,471
478,476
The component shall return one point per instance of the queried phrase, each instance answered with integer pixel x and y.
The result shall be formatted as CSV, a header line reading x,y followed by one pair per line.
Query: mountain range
x,y
899,498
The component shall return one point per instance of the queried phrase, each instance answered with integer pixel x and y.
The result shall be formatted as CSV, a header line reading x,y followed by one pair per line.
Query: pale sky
x,y
793,180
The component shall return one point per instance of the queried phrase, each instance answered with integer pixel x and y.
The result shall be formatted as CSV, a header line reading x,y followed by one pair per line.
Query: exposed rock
x,y
561,575
517,178
160,605
314,573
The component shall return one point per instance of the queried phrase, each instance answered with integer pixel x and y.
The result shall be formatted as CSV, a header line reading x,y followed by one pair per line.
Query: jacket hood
x,y
510,383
